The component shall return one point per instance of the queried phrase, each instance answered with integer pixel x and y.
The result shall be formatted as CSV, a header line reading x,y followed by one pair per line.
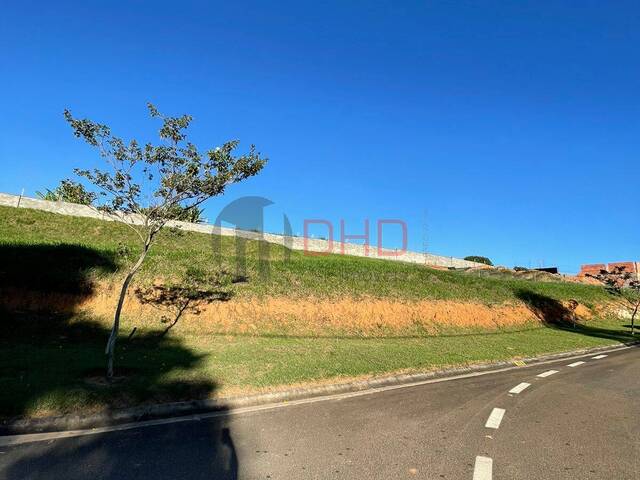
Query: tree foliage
x,y
625,287
153,180
69,191
191,215
147,185
478,259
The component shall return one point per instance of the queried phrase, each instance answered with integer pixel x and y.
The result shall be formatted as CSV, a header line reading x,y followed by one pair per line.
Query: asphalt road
x,y
582,422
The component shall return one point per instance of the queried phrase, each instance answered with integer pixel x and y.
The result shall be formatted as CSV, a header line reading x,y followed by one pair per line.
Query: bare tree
x,y
146,184
625,287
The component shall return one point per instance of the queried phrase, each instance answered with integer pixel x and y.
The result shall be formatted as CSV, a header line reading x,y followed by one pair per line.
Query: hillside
x,y
299,276
310,318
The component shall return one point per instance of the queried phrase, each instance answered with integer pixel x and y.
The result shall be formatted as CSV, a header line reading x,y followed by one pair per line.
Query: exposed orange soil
x,y
310,316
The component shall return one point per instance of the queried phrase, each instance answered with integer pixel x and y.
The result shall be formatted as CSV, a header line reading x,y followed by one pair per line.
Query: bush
x,y
69,191
478,259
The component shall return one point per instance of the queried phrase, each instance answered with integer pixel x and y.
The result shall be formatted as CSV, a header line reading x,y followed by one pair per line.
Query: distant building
x,y
596,268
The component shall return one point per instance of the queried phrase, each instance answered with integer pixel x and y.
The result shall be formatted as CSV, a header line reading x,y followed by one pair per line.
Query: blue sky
x,y
505,129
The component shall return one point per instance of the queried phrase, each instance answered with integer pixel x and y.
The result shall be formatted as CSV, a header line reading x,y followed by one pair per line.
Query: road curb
x,y
177,409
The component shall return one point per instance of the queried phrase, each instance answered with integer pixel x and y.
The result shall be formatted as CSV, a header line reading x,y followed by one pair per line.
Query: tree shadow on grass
x,y
52,363
59,268
52,355
555,314
56,363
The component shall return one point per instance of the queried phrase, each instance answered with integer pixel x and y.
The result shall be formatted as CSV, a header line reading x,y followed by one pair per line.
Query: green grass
x,y
51,363
300,276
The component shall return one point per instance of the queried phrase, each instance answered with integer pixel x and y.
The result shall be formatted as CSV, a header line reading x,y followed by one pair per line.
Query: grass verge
x,y
55,365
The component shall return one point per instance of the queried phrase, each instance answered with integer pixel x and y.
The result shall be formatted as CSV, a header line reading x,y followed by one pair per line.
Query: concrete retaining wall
x,y
296,243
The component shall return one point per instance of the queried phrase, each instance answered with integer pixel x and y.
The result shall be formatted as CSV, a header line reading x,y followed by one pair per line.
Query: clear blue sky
x,y
507,129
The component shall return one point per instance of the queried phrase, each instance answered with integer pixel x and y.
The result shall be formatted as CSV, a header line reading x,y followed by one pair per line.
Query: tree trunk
x,y
633,319
111,343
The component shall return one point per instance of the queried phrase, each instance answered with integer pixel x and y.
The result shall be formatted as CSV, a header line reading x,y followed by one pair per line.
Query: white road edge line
x,y
598,357
575,364
483,469
520,387
548,373
495,418
7,440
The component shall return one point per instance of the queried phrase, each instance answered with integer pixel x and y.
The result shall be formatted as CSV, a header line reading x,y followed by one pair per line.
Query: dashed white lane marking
x,y
520,387
548,373
495,418
598,357
483,469
575,364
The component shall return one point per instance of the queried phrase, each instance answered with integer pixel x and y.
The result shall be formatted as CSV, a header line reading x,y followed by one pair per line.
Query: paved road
x,y
582,422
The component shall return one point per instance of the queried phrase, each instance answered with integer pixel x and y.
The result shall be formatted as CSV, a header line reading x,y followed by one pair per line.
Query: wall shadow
x,y
52,362
554,314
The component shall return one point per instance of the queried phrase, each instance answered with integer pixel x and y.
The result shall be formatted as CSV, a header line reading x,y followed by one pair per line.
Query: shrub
x,y
69,191
478,259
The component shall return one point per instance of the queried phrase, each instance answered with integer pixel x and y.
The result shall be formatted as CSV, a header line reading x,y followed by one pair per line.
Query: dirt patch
x,y
582,312
582,279
309,316
96,378
366,316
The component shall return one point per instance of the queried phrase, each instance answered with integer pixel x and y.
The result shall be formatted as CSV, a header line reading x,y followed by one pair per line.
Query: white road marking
x,y
598,357
483,469
20,439
548,373
495,418
575,364
520,387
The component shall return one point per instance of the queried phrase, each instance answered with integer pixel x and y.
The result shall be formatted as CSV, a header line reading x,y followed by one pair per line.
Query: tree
x,y
625,287
191,215
69,191
146,184
478,259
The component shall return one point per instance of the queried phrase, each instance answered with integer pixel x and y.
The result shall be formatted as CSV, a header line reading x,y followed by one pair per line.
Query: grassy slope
x,y
300,276
48,362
